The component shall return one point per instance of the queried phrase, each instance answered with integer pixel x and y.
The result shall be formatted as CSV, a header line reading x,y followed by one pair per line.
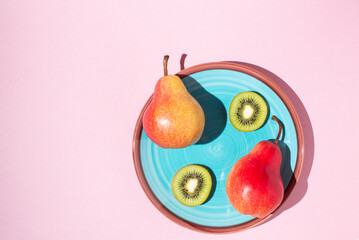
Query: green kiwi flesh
x,y
192,185
248,111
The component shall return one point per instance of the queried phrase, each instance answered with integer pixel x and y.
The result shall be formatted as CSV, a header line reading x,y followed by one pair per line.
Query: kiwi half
x,y
248,111
192,185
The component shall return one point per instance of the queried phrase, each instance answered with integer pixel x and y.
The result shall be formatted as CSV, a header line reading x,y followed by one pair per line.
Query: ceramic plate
x,y
214,85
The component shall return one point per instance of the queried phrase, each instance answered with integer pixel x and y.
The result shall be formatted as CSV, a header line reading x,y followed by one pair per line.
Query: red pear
x,y
254,185
174,119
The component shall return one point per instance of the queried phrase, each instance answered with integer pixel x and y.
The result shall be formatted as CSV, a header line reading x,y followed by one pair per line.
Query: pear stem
x,y
280,128
165,61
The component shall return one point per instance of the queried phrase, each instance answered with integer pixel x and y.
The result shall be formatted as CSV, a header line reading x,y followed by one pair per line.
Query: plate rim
x,y
239,67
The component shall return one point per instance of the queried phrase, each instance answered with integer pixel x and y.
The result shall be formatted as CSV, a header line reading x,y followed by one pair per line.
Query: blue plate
x,y
219,148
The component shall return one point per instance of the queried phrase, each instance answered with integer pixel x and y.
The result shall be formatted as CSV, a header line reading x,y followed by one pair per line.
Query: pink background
x,y
75,74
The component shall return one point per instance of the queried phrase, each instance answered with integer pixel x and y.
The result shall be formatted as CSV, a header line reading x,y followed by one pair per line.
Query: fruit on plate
x,y
192,185
174,119
254,185
248,111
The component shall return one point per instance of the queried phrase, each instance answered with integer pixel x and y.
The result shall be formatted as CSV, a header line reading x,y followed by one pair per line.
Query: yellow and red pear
x,y
254,185
174,119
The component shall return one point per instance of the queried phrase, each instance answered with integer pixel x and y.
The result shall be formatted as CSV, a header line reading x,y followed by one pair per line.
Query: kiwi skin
x,y
258,105
202,191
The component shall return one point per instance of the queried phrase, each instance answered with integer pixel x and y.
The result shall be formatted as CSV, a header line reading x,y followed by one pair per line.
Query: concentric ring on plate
x,y
136,147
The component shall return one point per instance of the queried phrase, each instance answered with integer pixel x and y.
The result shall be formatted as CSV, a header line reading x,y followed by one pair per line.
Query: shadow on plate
x,y
286,171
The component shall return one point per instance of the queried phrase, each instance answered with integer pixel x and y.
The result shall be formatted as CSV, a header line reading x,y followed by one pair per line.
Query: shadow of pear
x,y
214,110
286,171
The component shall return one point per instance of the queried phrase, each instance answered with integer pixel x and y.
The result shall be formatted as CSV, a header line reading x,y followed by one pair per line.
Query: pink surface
x,y
74,76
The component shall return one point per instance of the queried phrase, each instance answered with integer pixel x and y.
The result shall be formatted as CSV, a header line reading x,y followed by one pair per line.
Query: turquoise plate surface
x,y
219,148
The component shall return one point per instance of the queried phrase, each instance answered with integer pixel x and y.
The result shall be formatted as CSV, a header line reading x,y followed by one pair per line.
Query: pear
x,y
174,119
254,185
